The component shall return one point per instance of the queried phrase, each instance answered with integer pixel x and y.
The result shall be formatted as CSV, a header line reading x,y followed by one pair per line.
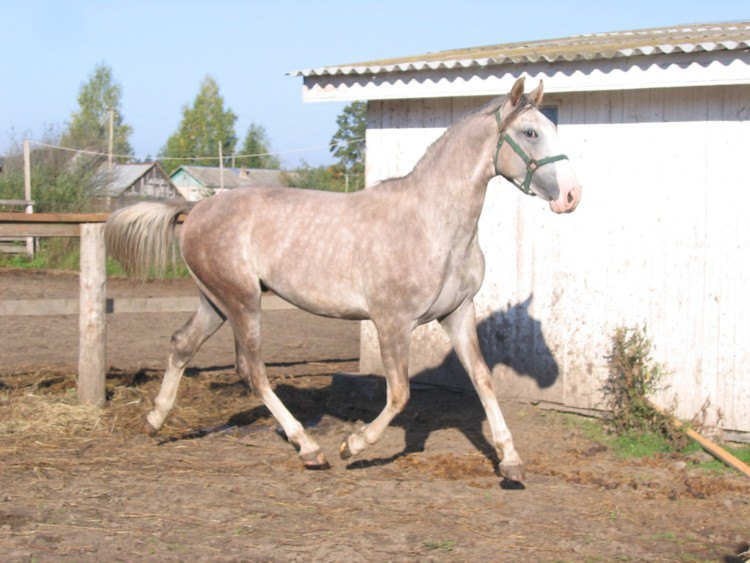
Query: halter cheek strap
x,y
532,164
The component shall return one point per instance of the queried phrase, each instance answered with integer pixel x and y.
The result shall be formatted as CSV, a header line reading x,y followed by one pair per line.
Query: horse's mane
x,y
487,109
456,128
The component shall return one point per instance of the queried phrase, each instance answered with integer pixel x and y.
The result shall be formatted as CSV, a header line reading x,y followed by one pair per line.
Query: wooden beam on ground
x,y
711,447
92,347
716,450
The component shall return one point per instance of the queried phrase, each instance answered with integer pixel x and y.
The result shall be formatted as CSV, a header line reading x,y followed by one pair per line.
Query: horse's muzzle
x,y
568,200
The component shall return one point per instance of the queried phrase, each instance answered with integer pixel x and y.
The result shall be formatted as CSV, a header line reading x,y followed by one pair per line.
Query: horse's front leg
x,y
394,351
462,329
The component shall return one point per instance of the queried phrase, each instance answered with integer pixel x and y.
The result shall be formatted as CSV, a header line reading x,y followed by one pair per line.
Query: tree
x,y
315,178
89,126
350,146
258,146
204,125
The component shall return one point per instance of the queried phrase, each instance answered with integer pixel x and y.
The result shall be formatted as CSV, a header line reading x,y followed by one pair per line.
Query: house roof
x,y
210,176
123,176
635,43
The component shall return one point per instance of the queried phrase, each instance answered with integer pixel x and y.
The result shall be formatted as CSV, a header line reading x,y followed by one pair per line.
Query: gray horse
x,y
401,253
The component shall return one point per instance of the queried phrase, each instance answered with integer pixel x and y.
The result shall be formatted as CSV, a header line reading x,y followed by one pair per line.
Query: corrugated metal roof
x,y
642,42
210,176
123,176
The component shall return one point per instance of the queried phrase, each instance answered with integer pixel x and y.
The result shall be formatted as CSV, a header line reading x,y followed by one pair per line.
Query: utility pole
x,y
27,191
221,168
111,141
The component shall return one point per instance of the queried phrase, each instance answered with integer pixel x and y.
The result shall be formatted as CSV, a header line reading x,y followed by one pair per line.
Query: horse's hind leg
x,y
250,367
462,330
185,343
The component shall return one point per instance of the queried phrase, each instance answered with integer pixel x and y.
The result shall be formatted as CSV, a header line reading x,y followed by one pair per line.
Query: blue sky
x,y
160,50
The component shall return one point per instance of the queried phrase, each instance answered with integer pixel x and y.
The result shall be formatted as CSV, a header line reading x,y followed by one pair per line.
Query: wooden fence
x,y
92,305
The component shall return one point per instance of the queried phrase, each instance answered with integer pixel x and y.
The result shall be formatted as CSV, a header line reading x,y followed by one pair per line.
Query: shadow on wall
x,y
512,338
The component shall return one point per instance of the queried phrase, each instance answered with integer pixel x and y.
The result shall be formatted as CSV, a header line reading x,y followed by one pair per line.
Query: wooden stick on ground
x,y
711,447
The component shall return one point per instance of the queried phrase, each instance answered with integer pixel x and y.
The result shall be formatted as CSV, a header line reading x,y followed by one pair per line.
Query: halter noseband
x,y
532,164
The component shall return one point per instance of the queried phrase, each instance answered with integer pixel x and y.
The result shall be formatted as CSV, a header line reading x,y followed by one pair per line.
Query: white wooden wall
x,y
661,237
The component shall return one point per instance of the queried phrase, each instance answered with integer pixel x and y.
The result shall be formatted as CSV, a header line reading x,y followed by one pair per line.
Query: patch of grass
x,y
740,452
664,536
628,444
445,545
647,443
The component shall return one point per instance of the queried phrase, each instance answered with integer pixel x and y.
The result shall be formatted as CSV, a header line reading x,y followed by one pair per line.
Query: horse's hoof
x,y
344,450
513,472
315,461
149,428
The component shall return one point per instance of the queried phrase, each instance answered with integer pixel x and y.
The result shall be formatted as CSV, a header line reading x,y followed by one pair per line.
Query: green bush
x,y
59,181
633,377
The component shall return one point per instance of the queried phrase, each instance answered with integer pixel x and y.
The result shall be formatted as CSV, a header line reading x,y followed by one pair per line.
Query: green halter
x,y
532,164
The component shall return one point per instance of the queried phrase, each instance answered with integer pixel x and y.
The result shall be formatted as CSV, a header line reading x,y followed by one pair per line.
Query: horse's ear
x,y
517,91
537,94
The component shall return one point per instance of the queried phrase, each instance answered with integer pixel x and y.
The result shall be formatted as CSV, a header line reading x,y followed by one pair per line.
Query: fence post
x,y
92,343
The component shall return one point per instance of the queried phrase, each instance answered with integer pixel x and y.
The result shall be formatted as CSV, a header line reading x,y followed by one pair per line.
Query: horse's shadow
x,y
511,337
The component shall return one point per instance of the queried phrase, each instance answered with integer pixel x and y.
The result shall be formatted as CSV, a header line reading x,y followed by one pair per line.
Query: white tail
x,y
140,236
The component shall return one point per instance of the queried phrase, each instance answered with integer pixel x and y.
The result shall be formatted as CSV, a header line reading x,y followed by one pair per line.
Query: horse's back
x,y
302,244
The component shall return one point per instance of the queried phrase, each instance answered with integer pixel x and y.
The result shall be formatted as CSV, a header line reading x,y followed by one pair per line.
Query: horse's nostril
x,y
571,196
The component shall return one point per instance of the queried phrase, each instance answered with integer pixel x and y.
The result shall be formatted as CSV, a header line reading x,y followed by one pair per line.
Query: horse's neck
x,y
451,179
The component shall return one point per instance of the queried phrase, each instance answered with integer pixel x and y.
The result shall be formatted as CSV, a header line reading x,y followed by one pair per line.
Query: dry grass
x,y
32,415
42,407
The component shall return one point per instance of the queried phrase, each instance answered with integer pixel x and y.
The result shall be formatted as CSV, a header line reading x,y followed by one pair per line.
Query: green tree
x,y
204,125
258,146
89,126
315,178
350,146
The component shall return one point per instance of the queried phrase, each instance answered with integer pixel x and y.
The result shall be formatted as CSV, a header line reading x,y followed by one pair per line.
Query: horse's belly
x,y
453,293
335,304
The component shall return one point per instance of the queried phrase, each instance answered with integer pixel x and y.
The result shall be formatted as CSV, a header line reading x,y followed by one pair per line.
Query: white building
x,y
656,124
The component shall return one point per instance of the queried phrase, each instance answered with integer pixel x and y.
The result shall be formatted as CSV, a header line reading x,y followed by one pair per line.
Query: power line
x,y
132,157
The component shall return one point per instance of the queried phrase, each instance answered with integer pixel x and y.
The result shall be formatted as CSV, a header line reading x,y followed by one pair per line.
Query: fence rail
x,y
117,305
92,304
17,202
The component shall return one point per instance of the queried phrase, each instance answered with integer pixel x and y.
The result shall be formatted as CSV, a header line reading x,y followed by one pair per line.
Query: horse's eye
x,y
531,134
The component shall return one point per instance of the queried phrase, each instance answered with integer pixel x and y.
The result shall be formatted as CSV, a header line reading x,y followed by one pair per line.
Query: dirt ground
x,y
220,482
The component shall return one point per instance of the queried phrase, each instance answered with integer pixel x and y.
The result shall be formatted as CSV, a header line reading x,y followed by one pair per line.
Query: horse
x,y
400,253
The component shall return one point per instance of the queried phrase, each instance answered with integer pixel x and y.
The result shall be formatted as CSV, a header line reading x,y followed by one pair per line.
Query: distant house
x,y
198,182
130,183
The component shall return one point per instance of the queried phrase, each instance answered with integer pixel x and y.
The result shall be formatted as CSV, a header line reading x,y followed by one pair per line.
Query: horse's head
x,y
529,153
